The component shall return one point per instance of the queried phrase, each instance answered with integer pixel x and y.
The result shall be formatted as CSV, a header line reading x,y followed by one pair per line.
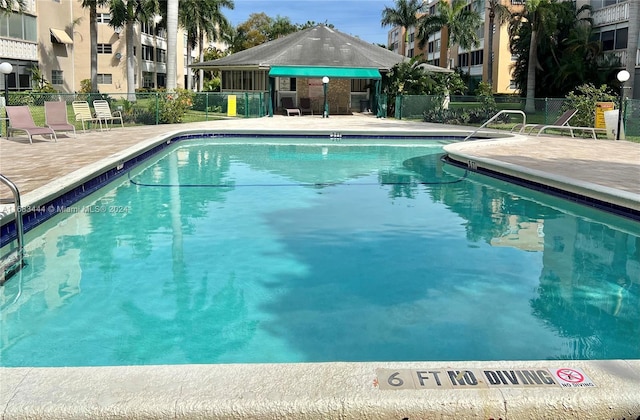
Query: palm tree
x,y
460,21
405,14
93,38
172,44
202,18
499,12
540,17
127,13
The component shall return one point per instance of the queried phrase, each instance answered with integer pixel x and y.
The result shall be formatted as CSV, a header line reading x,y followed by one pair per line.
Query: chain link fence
x,y
150,108
473,110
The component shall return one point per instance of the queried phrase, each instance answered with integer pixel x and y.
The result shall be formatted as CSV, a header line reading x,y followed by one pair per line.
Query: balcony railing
x,y
20,50
611,14
622,56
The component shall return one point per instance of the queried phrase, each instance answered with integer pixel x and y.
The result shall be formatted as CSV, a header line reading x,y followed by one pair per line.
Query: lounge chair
x,y
289,107
20,119
55,116
83,113
103,112
561,121
305,106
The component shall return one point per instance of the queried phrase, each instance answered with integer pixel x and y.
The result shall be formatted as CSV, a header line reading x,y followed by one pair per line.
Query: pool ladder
x,y
13,261
495,117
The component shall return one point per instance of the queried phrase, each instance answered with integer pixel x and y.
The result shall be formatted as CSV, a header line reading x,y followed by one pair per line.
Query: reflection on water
x,y
274,253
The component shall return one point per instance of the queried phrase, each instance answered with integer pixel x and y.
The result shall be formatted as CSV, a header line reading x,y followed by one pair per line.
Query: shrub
x,y
173,106
584,99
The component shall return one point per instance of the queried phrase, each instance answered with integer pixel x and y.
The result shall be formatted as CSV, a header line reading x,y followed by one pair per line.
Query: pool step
x,y
10,264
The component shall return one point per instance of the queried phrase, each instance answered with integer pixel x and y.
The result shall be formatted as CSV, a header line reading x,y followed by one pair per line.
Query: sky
x,y
360,18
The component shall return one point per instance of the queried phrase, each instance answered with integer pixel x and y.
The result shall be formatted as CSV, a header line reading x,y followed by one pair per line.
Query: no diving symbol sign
x,y
572,378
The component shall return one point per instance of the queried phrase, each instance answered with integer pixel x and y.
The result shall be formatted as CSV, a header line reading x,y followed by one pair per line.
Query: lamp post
x,y
622,77
325,85
6,69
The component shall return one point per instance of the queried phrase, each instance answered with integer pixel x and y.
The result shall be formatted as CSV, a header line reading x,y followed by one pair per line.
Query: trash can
x,y
364,105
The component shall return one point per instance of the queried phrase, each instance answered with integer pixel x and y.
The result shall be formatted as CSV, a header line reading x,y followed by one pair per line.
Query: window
x,y
463,60
477,57
161,55
608,40
105,79
56,77
359,85
103,18
147,53
430,47
146,28
104,49
147,80
252,80
622,36
19,26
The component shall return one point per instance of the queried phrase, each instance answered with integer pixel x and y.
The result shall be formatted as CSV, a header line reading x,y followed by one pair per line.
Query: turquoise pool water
x,y
236,251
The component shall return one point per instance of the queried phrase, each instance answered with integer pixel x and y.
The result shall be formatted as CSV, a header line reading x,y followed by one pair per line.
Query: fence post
x,y
206,106
546,110
157,108
398,110
246,104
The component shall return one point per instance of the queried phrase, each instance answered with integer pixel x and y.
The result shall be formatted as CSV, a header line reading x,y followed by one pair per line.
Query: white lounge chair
x,y
83,113
103,112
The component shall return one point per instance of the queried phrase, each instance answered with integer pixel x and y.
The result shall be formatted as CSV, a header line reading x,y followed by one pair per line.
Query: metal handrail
x,y
504,111
18,214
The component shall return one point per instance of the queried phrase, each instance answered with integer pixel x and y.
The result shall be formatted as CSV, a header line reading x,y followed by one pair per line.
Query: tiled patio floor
x,y
612,164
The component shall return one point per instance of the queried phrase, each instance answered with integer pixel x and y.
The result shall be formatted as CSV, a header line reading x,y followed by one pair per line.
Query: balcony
x,y
19,50
611,14
622,56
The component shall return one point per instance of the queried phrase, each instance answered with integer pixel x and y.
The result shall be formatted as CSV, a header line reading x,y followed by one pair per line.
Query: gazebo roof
x,y
319,46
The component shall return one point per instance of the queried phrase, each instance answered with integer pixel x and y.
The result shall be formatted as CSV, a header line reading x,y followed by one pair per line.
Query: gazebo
x,y
320,63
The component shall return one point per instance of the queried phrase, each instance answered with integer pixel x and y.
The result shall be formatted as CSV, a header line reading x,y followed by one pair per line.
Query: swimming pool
x,y
232,251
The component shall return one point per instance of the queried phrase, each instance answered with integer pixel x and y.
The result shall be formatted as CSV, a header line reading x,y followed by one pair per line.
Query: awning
x,y
61,36
335,72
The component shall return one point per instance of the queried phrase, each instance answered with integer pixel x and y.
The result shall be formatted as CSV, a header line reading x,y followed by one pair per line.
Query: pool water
x,y
237,251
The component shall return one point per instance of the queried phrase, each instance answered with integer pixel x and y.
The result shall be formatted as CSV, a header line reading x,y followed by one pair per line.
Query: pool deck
x,y
602,169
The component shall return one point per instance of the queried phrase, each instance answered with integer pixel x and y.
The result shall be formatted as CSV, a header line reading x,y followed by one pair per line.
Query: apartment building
x,y
474,61
617,25
19,46
53,35
616,22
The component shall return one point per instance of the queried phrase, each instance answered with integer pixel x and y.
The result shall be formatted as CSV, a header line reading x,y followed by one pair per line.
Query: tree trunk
x,y
632,46
530,103
187,70
492,17
93,39
172,44
201,59
131,62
